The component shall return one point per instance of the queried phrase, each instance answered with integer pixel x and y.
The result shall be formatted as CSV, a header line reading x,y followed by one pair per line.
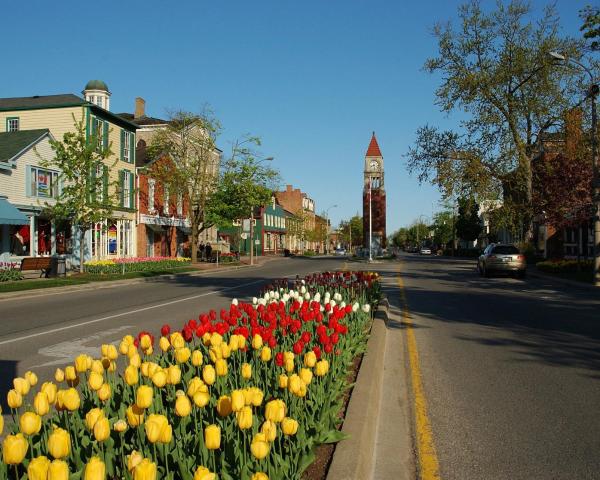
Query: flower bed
x,y
9,271
135,264
564,266
228,258
245,394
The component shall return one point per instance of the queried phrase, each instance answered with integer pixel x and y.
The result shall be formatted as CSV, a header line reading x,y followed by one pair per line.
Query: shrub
x,y
565,265
134,264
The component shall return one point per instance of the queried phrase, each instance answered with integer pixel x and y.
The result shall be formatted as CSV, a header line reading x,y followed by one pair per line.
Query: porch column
x,y
5,247
32,237
52,237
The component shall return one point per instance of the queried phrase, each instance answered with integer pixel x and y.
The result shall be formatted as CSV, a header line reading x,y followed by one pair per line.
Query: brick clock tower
x,y
373,184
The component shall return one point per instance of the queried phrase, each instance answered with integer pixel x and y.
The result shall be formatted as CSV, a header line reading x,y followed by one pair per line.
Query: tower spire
x,y
373,150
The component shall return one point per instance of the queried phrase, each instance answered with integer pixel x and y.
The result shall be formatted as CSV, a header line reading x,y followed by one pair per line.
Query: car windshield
x,y
506,250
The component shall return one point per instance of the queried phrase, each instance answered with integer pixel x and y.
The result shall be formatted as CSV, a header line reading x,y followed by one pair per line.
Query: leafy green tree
x,y
443,224
84,197
468,224
351,231
591,26
495,70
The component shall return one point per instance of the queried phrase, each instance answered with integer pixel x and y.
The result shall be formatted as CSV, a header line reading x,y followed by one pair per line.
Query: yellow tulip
x,y
159,379
244,418
50,390
265,354
133,460
183,407
193,386
221,367
225,350
182,355
216,339
94,470
14,449
128,339
154,426
173,375
145,470
153,368
215,354
111,352
102,429
112,366
92,417
145,342
260,476
71,399
59,443
1,422
224,406
208,374
177,340
166,434
131,375
14,399
257,341
31,378
197,358
59,375
289,426
306,375
275,410
283,381
256,396
259,446
302,390
38,468
321,368
288,356
203,473
135,360
288,365
237,400
123,347
212,437
269,429
30,423
104,392
234,343
246,371
294,383
241,342
310,359
164,344
120,426
132,351
97,367
21,385
58,470
201,399
95,380
143,396
71,374
135,415
81,363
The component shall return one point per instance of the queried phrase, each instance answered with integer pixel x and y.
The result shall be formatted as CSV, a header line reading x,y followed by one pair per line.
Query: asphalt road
x,y
43,331
511,371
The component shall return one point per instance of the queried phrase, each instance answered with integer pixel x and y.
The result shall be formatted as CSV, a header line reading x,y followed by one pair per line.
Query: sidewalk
x,y
535,273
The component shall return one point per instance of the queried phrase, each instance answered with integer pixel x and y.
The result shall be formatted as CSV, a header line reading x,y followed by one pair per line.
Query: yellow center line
x,y
429,468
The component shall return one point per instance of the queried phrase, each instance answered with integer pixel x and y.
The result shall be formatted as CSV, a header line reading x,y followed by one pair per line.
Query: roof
x,y
373,150
96,85
41,101
142,121
14,143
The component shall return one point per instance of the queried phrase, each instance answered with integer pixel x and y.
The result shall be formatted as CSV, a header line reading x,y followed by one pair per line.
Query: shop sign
x,y
165,221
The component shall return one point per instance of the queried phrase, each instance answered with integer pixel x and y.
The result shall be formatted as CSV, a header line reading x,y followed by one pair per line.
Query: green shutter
x,y
121,186
105,183
132,146
105,135
94,126
131,188
123,133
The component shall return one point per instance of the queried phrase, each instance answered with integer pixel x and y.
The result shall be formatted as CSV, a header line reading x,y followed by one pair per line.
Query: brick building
x,y
302,222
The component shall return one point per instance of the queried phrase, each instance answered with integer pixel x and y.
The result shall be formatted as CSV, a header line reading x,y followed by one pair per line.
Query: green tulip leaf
x,y
333,436
305,461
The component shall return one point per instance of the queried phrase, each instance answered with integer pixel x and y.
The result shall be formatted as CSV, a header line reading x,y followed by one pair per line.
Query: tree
x,y
443,223
84,197
591,26
189,140
468,224
400,238
495,69
351,231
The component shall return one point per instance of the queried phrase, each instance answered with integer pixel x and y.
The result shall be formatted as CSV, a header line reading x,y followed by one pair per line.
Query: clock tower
x,y
374,197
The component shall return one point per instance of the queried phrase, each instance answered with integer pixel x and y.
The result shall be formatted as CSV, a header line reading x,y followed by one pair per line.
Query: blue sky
x,y
312,78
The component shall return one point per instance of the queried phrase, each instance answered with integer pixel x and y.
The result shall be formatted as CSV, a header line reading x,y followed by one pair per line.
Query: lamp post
x,y
327,227
592,93
370,223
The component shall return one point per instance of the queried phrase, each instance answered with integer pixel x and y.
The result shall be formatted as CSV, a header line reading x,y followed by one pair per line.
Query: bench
x,y
36,263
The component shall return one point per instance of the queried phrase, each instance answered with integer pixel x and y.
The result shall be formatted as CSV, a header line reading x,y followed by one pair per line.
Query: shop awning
x,y
185,230
155,228
11,215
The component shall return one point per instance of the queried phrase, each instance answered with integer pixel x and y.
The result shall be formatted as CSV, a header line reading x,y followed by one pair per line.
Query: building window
x,y
98,130
151,195
44,183
126,147
179,204
12,124
126,190
166,200
99,174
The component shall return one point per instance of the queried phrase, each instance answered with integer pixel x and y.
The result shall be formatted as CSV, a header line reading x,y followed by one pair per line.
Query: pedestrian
x,y
201,248
208,252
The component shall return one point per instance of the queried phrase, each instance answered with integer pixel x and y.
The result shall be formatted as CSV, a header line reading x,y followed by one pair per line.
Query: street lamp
x,y
592,93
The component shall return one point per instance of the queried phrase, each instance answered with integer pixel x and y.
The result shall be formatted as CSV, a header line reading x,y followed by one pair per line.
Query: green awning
x,y
11,215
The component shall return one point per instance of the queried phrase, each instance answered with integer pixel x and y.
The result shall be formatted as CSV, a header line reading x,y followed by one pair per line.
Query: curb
x,y
353,458
562,281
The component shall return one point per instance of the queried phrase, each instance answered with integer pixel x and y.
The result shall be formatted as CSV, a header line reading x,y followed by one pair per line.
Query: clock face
x,y
374,165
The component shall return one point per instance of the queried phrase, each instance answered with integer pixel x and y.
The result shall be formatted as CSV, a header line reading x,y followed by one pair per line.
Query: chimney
x,y
140,107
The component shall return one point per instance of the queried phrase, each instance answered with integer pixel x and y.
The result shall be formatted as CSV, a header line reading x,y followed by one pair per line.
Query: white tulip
x,y
366,308
254,300
306,296
355,306
234,302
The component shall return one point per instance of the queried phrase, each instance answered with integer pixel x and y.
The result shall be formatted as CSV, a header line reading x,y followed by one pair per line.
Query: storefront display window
x,y
19,240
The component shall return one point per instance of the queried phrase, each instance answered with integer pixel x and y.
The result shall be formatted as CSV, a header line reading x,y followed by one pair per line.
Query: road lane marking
x,y
429,468
138,310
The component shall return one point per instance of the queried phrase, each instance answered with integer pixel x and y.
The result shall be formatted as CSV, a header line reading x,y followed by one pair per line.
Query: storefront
x,y
163,236
112,238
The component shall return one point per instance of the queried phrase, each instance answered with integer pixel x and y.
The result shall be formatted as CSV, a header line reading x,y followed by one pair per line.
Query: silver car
x,y
498,257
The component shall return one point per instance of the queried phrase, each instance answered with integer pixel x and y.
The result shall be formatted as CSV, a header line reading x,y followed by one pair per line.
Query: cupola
x,y
96,92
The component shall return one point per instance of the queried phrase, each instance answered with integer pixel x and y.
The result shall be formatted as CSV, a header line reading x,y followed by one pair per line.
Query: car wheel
x,y
521,274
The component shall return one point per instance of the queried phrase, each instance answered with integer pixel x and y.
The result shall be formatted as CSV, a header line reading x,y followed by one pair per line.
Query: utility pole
x,y
251,237
370,224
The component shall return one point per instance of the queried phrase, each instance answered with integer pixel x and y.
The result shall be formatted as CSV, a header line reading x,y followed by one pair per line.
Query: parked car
x,y
425,251
498,257
340,252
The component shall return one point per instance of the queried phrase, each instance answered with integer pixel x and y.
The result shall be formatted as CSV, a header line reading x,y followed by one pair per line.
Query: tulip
x,y
14,399
59,443
183,406
225,350
81,363
256,396
310,359
260,476
94,470
143,396
201,399
177,340
102,429
38,468
294,383
120,426
164,344
321,368
1,422
221,367
224,406
58,470
265,354
95,380
208,374
257,341
50,390
123,347
133,460
216,339
269,429
182,355
159,379
97,367
21,385
246,371
71,374
215,354
173,375
135,360
104,392
237,400
145,342
275,410
212,437
111,352
131,375
302,390
14,449
193,386
71,399
283,381
203,473
289,426
31,378
156,427
306,375
59,375
30,423
145,470
244,418
166,434
259,446
197,358
135,415
234,343
288,365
